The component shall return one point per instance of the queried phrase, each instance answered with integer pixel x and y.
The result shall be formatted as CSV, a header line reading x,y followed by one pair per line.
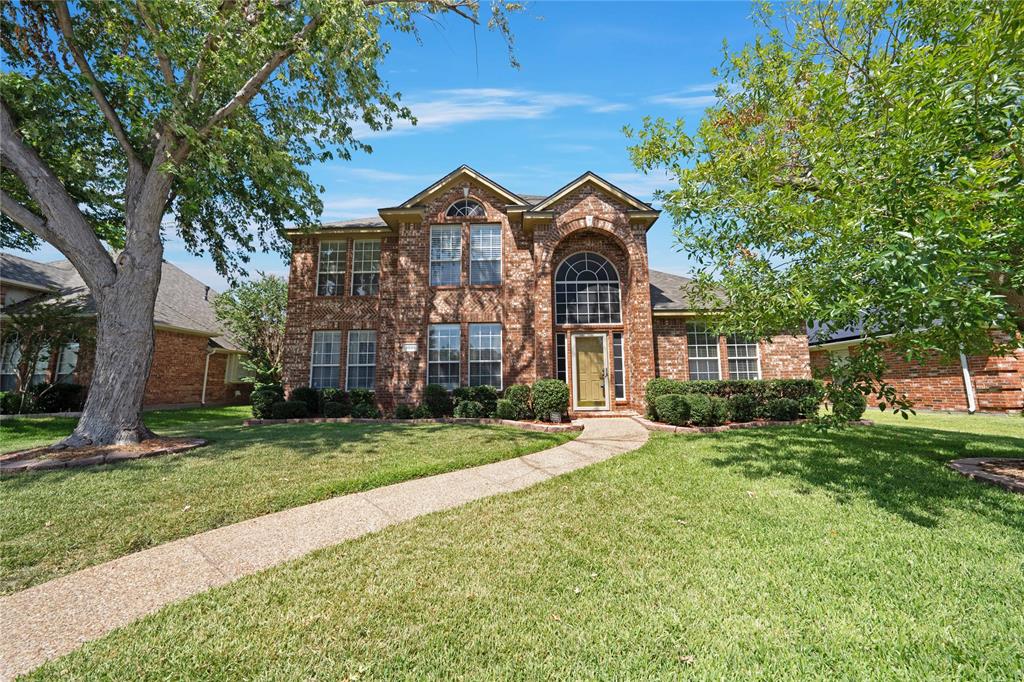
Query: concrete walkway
x,y
52,619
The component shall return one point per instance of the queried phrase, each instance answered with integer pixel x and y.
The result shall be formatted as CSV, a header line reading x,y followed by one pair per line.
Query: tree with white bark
x,y
117,113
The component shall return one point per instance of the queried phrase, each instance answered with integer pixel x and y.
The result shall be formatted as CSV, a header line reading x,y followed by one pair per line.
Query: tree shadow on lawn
x,y
900,469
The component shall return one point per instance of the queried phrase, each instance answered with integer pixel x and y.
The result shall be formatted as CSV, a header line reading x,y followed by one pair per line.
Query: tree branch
x,y
64,21
165,63
22,215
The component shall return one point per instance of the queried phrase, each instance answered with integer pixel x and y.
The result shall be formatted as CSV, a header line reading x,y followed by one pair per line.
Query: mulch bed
x,y
526,426
49,457
1005,473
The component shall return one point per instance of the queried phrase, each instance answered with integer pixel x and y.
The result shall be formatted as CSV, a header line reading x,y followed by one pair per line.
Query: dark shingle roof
x,y
668,291
355,223
25,271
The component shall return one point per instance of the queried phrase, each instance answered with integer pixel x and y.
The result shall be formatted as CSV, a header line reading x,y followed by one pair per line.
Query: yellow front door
x,y
590,371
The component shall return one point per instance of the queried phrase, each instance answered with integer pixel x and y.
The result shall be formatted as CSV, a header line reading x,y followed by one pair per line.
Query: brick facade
x,y
938,384
584,217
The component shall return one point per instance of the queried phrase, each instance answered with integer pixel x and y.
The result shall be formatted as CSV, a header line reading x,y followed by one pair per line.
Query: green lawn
x,y
56,522
773,553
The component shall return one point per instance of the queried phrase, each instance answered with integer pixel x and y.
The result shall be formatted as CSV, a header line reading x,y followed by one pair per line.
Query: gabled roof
x,y
671,293
30,274
462,171
593,178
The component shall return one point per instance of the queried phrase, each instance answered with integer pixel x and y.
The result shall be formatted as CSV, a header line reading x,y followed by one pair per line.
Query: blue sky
x,y
588,69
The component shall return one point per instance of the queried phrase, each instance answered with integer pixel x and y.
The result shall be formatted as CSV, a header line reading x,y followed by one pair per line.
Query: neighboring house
x,y
468,283
985,384
194,361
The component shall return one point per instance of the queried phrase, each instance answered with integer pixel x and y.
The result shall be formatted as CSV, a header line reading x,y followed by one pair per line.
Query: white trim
x,y
554,291
312,345
757,356
348,356
718,352
352,276
501,255
501,353
576,372
972,403
319,251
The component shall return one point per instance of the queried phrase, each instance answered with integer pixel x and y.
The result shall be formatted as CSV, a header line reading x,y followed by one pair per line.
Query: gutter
x,y
206,373
972,403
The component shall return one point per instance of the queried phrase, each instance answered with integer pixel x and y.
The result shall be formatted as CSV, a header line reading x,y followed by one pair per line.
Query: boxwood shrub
x,y
807,392
487,396
289,409
437,400
673,408
58,397
506,409
700,408
364,410
783,409
335,395
333,410
307,395
470,409
742,407
519,397
263,403
550,396
851,408
362,396
403,411
658,387
422,412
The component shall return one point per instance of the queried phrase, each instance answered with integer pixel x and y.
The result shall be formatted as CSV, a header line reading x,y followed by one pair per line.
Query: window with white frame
x,y
9,366
330,271
445,255
485,254
233,370
485,355
324,362
362,359
365,267
560,355
619,366
587,291
67,360
465,208
743,357
702,347
443,355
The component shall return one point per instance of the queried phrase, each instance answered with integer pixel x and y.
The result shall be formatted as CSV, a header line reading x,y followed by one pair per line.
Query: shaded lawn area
x,y
57,522
772,553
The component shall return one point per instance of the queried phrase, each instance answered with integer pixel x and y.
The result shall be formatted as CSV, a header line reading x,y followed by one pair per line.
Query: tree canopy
x,y
254,314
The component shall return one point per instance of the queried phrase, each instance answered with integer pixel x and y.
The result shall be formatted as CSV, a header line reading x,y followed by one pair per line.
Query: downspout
x,y
206,372
972,404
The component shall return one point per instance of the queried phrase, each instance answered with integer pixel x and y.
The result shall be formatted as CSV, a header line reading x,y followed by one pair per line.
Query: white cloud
x,y
685,101
639,184
380,175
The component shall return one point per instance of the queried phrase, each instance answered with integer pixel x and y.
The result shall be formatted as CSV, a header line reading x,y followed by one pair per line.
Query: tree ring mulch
x,y
1004,472
49,457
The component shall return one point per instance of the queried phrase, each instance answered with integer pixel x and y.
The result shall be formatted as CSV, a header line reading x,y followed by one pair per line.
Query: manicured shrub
x,y
365,411
719,410
742,407
487,396
809,406
263,403
659,387
11,403
700,409
308,395
403,411
673,409
783,409
58,397
333,410
469,409
335,395
851,408
422,411
289,409
361,396
519,396
437,400
550,396
506,409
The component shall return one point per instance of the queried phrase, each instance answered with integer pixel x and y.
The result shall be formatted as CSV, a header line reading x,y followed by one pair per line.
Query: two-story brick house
x,y
469,283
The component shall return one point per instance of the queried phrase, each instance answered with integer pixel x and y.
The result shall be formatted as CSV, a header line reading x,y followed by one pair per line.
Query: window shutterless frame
x,y
485,340
325,345
485,255
738,355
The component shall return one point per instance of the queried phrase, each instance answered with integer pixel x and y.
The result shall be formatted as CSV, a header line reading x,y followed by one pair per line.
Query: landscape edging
x,y
669,428
526,426
970,467
19,466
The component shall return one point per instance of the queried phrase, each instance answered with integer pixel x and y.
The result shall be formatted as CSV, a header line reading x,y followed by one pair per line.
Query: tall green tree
x,y
864,166
254,313
116,113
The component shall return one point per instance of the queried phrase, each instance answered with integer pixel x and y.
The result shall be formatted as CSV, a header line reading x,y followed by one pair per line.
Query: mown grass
x,y
57,522
773,554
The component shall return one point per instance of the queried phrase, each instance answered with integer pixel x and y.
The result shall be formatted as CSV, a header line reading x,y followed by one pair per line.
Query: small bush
x,y
422,412
362,396
700,409
404,411
335,395
11,403
809,406
719,410
58,397
673,409
783,409
275,387
659,387
487,396
333,410
469,409
365,411
263,403
519,396
289,409
506,409
437,400
307,395
550,396
851,408
742,407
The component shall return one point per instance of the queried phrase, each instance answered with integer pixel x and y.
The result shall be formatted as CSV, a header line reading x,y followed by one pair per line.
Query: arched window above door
x,y
465,208
587,291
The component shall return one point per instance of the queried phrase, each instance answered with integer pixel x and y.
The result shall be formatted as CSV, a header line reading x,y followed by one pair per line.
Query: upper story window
x,y
365,267
587,291
330,270
465,208
445,255
485,254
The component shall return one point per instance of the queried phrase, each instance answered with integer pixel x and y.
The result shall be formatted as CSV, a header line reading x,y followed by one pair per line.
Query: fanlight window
x,y
465,208
587,291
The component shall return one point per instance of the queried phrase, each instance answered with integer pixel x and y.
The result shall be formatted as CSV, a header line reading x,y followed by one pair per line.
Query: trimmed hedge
x,y
403,411
437,400
307,395
808,393
422,412
263,402
506,409
673,409
335,395
742,408
58,397
469,409
333,410
519,396
487,396
550,396
289,409
719,410
783,409
362,410
362,396
700,408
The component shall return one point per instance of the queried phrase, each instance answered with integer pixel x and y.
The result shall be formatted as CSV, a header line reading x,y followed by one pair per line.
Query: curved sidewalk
x,y
52,619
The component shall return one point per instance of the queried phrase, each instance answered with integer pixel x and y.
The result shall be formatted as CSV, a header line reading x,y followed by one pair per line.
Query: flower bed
x,y
525,425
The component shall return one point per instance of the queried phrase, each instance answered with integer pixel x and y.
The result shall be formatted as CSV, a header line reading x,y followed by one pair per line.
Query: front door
x,y
590,372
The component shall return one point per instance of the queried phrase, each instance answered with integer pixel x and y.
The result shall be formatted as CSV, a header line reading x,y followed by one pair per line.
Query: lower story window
x,y
485,355
67,361
743,360
362,360
560,371
619,366
702,347
443,355
325,360
233,370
